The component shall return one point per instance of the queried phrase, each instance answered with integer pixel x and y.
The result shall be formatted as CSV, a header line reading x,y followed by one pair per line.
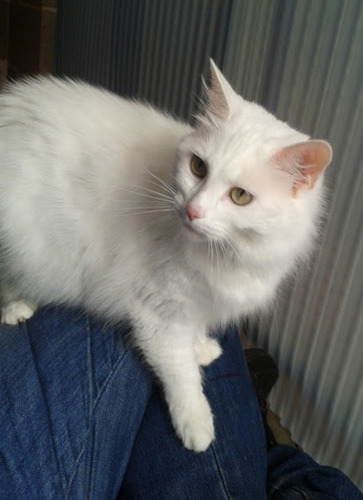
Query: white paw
x,y
207,351
195,426
16,312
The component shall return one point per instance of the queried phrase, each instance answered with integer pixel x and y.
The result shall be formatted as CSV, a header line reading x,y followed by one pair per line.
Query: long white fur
x,y
93,193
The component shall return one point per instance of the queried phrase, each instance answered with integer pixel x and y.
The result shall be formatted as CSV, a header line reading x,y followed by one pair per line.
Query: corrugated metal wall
x,y
155,50
303,60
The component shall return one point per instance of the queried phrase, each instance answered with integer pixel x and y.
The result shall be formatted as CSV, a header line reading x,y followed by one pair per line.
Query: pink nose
x,y
192,213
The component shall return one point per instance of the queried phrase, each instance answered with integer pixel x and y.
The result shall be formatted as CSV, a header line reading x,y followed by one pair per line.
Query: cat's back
x,y
47,100
48,104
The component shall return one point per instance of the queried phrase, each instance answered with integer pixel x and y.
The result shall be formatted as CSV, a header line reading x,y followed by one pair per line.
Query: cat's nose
x,y
192,213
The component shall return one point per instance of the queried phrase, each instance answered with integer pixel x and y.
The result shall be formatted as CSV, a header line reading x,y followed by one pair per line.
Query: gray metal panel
x,y
153,50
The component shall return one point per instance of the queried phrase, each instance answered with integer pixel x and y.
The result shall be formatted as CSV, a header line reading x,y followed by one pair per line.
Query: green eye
x,y
198,167
240,197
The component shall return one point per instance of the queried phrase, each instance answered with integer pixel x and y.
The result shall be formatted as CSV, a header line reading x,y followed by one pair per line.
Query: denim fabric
x,y
72,395
80,419
293,475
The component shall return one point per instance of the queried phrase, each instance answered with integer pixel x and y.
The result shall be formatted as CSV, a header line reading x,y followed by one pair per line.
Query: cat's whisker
x,y
222,258
140,189
145,204
146,210
138,193
232,247
134,202
215,263
217,254
234,254
146,201
167,192
210,258
143,212
225,255
162,182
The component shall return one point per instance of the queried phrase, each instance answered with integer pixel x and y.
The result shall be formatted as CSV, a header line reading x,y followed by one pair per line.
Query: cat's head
x,y
242,176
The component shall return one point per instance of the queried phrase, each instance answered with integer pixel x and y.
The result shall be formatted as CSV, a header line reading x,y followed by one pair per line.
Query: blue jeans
x,y
81,418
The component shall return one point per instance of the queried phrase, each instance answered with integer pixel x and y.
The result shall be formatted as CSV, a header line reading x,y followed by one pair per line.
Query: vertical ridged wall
x,y
153,50
303,60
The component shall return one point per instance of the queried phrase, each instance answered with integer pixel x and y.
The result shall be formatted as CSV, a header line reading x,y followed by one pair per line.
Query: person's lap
x,y
72,402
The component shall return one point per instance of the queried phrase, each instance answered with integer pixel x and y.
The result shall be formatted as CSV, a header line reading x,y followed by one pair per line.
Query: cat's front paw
x,y
207,351
16,312
195,426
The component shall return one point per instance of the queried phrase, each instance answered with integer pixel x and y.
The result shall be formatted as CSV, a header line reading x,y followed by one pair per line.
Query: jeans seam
x,y
94,406
220,472
24,325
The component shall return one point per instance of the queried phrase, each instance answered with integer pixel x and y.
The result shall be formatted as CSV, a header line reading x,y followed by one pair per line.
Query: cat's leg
x,y
14,310
169,350
206,349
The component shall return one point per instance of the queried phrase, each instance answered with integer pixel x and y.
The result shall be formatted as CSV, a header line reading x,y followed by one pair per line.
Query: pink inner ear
x,y
305,161
217,100
219,94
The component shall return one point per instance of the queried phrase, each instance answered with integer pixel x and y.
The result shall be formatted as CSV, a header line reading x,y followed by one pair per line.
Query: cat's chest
x,y
181,285
239,293
226,296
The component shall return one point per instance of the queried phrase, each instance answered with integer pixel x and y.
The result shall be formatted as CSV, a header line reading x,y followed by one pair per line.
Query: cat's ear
x,y
305,161
219,95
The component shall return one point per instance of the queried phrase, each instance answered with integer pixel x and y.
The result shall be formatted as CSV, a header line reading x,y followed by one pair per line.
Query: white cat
x,y
113,206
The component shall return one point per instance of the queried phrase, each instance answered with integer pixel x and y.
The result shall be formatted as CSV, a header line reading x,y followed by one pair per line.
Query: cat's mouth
x,y
193,231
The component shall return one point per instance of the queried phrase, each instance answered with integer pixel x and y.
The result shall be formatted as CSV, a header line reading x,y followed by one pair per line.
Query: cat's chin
x,y
193,234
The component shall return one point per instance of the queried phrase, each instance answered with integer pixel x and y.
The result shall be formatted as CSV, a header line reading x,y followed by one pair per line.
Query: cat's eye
x,y
198,167
240,197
